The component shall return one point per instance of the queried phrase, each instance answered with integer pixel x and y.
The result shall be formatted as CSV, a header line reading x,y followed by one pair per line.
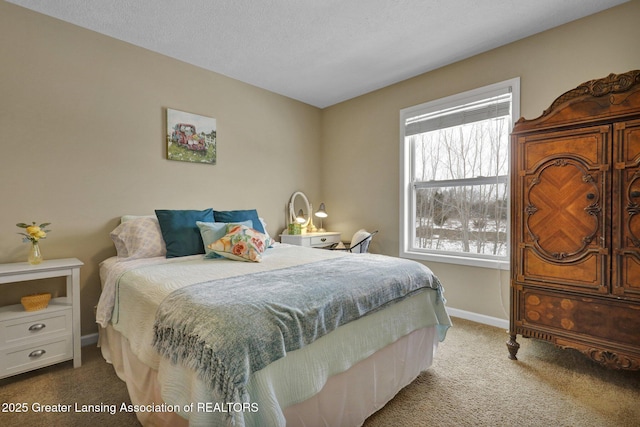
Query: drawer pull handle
x,y
635,194
37,327
36,353
323,239
591,196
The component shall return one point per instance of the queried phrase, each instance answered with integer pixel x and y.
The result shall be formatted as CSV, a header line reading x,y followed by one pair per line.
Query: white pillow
x,y
139,238
125,218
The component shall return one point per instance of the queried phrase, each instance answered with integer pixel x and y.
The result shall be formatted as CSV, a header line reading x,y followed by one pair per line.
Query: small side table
x,y
313,240
34,339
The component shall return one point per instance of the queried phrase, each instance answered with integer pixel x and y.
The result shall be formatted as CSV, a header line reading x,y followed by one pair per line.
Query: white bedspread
x,y
133,290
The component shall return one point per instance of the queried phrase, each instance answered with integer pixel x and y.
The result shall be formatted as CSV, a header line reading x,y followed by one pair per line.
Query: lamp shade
x,y
321,212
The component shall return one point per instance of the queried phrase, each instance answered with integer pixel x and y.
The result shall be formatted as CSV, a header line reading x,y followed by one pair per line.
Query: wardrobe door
x,y
626,235
563,232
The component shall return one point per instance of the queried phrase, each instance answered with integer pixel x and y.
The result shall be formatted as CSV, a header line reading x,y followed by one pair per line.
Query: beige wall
x,y
360,141
83,143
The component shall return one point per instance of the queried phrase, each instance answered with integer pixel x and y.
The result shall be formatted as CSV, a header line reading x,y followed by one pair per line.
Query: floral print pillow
x,y
241,243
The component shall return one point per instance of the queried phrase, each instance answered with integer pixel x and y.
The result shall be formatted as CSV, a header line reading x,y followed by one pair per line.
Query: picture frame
x,y
191,137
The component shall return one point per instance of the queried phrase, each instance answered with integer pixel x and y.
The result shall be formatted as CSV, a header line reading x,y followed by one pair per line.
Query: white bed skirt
x,y
347,399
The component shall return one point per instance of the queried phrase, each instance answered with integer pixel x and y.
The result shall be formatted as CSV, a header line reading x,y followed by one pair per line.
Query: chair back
x,y
360,241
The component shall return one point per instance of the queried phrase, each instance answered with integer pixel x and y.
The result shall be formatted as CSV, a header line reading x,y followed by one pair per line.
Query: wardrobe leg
x,y
513,347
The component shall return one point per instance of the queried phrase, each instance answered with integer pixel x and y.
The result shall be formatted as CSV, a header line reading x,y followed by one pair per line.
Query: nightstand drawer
x,y
23,358
54,320
312,240
325,240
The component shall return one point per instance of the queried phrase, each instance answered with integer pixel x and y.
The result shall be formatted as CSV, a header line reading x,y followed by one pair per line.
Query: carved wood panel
x,y
627,228
563,193
563,209
612,320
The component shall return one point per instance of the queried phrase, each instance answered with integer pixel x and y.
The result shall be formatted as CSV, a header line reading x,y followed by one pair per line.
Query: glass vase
x,y
35,256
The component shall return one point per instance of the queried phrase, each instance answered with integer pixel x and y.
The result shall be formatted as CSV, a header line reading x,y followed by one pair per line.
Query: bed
x,y
304,337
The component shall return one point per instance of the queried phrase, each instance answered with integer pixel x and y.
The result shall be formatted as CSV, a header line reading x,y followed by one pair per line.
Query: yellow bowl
x,y
35,302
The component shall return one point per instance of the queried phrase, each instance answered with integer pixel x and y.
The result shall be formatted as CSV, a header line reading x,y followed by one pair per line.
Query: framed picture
x,y
191,137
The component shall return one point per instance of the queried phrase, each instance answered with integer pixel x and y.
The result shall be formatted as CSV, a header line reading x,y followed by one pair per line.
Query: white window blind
x,y
498,106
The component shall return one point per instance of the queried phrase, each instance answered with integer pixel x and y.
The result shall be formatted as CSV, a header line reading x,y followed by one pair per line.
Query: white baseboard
x,y
479,318
90,339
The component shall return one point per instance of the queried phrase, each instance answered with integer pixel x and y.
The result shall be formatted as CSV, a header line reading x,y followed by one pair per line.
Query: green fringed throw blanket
x,y
227,329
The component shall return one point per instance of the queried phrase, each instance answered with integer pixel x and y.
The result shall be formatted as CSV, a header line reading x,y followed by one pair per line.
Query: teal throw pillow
x,y
179,230
239,216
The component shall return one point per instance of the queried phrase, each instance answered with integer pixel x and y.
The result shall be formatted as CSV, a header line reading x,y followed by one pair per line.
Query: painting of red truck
x,y
185,134
190,137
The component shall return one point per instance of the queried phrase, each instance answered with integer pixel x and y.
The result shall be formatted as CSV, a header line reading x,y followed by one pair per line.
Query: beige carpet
x,y
94,382
472,383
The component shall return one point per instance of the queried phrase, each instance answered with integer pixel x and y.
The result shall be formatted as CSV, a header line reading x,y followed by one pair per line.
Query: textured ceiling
x,y
320,52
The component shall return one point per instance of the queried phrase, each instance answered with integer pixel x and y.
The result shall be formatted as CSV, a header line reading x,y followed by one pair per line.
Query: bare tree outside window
x,y
459,179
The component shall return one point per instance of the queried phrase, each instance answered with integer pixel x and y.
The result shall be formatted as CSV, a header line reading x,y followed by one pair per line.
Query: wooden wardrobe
x,y
575,223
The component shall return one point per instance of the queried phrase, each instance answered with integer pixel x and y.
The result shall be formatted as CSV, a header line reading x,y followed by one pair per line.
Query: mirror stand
x,y
307,225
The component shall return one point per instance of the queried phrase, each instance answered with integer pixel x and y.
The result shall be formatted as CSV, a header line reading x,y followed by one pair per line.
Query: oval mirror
x,y
297,203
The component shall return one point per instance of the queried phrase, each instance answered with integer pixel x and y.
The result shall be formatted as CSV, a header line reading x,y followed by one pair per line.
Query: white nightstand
x,y
313,240
34,339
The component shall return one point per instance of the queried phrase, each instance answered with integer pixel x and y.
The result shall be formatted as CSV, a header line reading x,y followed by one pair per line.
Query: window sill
x,y
459,260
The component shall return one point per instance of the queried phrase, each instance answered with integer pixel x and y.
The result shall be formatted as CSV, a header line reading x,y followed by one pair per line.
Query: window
x,y
455,177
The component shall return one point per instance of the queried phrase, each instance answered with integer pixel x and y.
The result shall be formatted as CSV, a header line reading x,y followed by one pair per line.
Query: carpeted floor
x,y
95,383
471,383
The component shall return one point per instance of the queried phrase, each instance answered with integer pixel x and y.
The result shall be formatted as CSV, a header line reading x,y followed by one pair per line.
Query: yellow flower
x,y
33,230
